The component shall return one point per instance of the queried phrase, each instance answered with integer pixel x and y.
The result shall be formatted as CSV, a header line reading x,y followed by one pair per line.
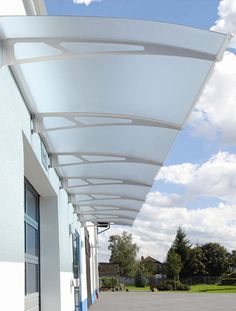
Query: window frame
x,y
35,224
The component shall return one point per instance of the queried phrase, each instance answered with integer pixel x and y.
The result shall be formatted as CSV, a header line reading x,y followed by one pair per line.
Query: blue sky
x,y
196,188
173,11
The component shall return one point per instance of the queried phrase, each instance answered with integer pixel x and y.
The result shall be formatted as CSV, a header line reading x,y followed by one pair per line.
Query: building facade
x,y
48,261
86,121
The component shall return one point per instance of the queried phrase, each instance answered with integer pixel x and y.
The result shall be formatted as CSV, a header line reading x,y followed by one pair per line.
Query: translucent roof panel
x,y
141,142
117,203
108,97
128,81
133,191
127,171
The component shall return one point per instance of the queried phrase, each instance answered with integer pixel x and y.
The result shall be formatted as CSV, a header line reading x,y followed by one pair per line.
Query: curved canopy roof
x,y
108,97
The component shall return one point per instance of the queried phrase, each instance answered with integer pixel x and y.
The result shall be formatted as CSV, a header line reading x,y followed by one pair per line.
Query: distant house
x,y
106,269
153,265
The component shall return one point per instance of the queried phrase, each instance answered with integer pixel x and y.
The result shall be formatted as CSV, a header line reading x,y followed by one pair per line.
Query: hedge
x,y
228,281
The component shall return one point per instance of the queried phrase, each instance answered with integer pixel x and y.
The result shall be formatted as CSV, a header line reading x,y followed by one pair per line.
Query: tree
x,y
141,274
124,252
173,264
182,247
196,264
141,266
216,259
233,258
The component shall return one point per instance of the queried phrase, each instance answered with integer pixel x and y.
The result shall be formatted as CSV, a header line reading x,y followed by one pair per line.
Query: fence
x,y
201,280
127,281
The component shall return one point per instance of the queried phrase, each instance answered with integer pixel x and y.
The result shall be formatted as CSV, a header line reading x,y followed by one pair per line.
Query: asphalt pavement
x,y
149,301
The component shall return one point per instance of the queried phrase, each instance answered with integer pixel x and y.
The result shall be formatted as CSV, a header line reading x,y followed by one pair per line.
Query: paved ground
x,y
147,301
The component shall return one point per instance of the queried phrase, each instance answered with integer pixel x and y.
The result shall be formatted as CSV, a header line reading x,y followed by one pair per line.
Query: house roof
x,y
108,268
151,259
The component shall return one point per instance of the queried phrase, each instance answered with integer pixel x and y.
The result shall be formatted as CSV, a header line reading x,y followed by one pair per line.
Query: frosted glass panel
x,y
82,197
128,214
57,122
86,208
102,158
68,159
34,49
104,181
109,97
143,173
96,208
122,190
102,196
130,85
94,120
122,203
142,142
76,182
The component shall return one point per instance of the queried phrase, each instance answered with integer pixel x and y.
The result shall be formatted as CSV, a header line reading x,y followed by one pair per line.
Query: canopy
x,y
108,97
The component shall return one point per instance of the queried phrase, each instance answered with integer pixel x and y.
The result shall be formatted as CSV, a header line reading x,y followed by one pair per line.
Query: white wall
x,y
49,255
66,256
83,267
93,260
20,155
12,114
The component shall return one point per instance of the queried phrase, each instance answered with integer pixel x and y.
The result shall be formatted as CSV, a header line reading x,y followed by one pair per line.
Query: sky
x,y
196,188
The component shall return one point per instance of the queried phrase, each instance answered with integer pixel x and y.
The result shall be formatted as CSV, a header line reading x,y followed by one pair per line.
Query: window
x,y
32,251
76,254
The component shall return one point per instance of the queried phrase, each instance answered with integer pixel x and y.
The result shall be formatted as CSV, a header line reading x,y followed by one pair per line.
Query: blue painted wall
x,y
84,304
94,296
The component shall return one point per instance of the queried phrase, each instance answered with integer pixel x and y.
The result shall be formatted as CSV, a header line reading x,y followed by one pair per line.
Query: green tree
x,y
141,266
182,247
216,259
140,275
196,263
233,258
124,252
173,264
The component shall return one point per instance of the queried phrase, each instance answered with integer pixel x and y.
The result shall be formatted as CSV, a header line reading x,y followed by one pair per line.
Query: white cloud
x,y
86,2
215,112
156,224
179,174
202,225
227,19
165,200
214,178
155,228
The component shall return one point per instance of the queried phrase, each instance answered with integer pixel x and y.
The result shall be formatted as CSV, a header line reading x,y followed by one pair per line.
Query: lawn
x,y
132,287
202,288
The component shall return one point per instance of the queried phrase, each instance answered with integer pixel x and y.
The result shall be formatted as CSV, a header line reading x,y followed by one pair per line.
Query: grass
x,y
133,287
201,288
